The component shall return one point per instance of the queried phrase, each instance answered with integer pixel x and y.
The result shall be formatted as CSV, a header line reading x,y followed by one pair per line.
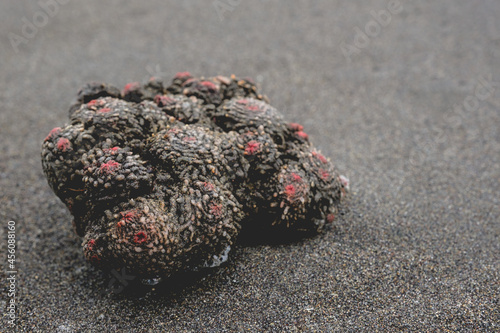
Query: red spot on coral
x,y
53,132
252,147
182,75
295,188
91,244
162,100
216,210
140,237
63,144
104,110
130,87
324,174
189,81
322,158
189,139
302,135
174,130
109,167
112,151
209,85
290,191
330,218
95,102
295,127
296,177
248,106
208,186
253,108
128,215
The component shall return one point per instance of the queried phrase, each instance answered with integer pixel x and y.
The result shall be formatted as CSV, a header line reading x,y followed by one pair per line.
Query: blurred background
x,y
403,96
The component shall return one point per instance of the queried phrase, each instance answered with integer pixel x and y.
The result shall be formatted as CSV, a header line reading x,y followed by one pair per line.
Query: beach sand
x,y
408,109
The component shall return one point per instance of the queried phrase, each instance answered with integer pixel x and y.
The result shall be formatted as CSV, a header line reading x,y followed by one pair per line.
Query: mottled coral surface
x,y
162,179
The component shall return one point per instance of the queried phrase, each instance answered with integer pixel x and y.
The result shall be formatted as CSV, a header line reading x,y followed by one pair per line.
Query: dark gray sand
x,y
410,113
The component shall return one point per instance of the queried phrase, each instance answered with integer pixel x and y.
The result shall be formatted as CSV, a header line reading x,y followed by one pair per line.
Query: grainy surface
x,y
418,249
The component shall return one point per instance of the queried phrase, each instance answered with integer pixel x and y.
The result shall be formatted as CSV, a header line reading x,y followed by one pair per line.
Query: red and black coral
x,y
161,179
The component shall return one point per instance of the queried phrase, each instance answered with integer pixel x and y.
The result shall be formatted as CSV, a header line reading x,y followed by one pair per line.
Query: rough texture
x,y
160,180
418,249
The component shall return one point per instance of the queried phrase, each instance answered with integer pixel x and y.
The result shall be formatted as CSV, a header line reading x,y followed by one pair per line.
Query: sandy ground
x,y
407,108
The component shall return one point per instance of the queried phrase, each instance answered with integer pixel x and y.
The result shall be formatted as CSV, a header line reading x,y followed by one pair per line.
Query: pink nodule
x,y
290,191
252,147
162,100
324,174
109,167
63,144
253,108
209,85
295,127
216,210
140,237
130,86
104,110
296,177
95,102
182,75
112,151
91,244
53,132
302,135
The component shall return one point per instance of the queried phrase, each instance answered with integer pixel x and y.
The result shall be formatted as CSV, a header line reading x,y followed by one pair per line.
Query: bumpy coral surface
x,y
162,179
